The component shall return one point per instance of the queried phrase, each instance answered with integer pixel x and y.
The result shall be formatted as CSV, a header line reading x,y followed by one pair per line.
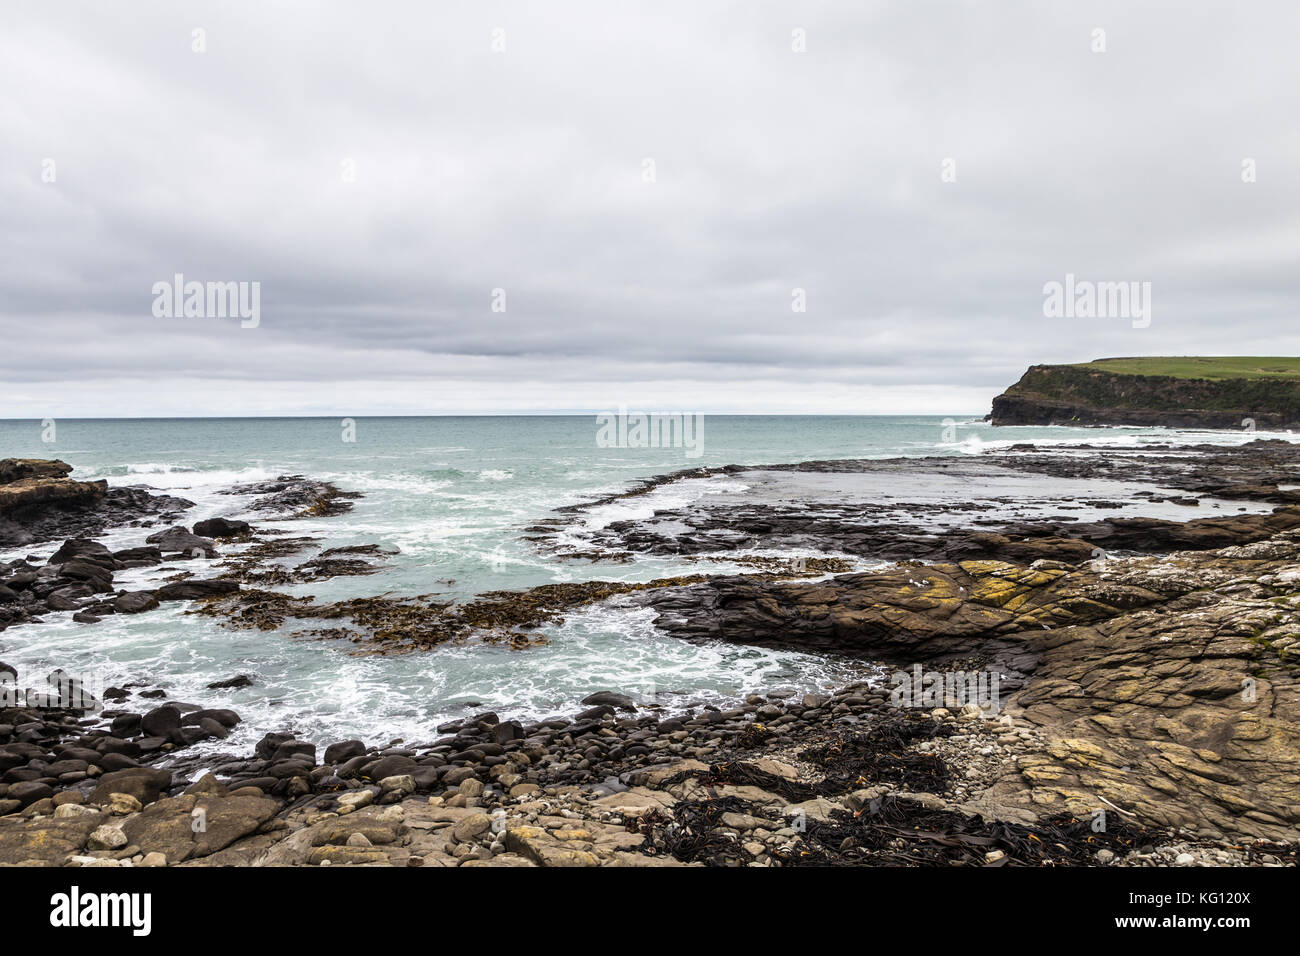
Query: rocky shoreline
x,y
1149,711
79,575
781,780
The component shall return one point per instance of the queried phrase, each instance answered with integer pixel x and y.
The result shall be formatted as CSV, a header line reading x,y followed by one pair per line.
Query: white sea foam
x,y
1116,438
156,468
181,477
403,482
457,516
666,497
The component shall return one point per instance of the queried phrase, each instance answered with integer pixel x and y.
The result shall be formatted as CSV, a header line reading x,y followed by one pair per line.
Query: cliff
x,y
1176,393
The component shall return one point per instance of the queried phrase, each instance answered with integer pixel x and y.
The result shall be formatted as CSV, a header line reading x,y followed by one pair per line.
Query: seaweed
x,y
894,831
850,759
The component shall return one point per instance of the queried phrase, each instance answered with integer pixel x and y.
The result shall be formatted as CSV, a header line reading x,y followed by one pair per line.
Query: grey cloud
x,y
523,170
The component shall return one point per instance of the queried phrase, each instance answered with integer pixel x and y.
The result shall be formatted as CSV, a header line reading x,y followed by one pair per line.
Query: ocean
x,y
453,495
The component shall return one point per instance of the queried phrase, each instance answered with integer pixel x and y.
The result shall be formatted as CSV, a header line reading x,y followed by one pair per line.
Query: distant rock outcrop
x,y
1088,395
27,483
16,469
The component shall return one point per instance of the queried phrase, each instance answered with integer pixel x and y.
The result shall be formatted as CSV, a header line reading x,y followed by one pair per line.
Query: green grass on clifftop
x,y
1214,368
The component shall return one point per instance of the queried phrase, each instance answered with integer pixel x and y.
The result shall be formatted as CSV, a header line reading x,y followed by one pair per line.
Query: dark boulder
x,y
354,766
134,602
22,579
239,681
179,540
126,725
510,730
426,778
221,528
389,767
142,557
266,747
67,598
195,590
223,716
161,721
610,699
211,728
79,547
343,751
116,761
146,784
290,749
97,576
29,791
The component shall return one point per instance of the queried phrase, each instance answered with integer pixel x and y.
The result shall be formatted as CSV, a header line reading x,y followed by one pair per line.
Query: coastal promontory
x,y
1178,392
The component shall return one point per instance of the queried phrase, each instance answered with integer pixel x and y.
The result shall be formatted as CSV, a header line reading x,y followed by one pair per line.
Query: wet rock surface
x,y
857,508
297,497
1170,684
1166,681
79,575
1149,712
39,503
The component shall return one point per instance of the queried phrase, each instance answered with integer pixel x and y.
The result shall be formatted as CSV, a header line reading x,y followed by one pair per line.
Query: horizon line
x,y
557,414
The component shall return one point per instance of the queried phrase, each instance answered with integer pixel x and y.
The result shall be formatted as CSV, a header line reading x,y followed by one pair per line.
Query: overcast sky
x,y
524,169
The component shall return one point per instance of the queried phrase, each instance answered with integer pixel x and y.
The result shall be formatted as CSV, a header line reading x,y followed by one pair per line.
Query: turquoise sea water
x,y
454,495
